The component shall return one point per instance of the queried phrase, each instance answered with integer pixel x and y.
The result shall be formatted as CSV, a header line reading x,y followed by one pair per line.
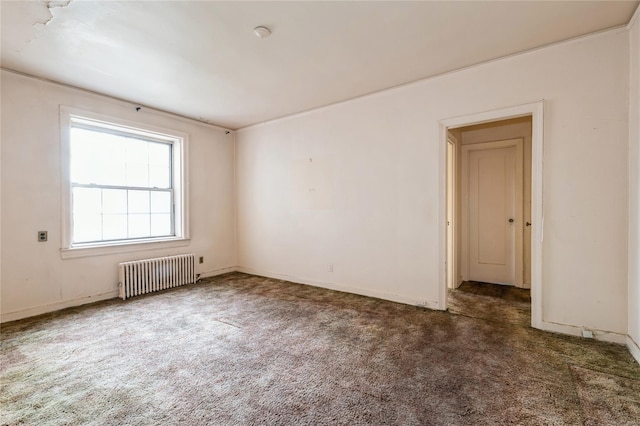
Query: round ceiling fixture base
x,y
262,32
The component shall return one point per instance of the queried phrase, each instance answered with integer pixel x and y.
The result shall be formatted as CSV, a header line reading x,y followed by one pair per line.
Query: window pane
x,y
160,224
159,154
113,173
139,202
87,227
159,165
114,226
108,173
122,182
81,159
97,157
137,174
114,201
114,147
137,163
159,177
137,151
139,226
87,201
160,202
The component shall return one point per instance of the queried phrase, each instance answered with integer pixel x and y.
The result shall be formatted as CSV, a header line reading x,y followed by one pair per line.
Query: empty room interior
x,y
320,212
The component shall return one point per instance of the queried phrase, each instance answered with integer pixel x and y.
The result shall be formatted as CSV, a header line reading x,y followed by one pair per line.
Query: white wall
x,y
0,204
34,277
368,201
634,188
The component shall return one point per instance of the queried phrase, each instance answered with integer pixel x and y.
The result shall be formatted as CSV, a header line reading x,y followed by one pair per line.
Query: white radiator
x,y
144,276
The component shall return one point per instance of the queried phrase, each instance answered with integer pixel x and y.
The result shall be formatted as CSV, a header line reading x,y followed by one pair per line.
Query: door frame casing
x,y
518,144
536,111
452,215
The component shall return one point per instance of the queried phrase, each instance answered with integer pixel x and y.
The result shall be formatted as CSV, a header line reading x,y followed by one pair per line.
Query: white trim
x,y
442,218
392,297
66,208
634,348
124,247
546,326
184,118
453,264
52,307
235,199
603,33
634,18
124,102
537,211
217,272
181,189
572,330
180,148
536,111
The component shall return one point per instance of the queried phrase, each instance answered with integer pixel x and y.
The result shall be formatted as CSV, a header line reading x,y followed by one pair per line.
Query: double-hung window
x,y
125,183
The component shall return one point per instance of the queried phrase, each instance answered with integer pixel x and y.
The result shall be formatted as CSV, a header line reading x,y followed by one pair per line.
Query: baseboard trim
x,y
44,309
634,348
216,272
572,330
392,297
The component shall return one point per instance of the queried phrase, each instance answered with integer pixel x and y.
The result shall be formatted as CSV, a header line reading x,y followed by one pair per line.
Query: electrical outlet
x,y
201,259
587,334
42,236
331,267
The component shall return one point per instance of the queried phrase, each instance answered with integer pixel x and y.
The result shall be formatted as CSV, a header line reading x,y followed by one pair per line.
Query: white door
x,y
492,188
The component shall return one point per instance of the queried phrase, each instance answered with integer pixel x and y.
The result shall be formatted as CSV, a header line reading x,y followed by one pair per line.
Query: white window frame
x,y
179,141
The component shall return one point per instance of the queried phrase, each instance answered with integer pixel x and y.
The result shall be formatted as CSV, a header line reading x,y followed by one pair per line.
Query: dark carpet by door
x,y
491,302
240,349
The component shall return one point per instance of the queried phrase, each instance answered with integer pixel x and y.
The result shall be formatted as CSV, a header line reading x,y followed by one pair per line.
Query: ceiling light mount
x,y
262,32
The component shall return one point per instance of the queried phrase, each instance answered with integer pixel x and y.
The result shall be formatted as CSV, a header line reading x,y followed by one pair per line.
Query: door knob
x,y
528,223
510,220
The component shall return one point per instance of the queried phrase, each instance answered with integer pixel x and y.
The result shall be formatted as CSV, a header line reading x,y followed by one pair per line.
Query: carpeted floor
x,y
491,302
239,349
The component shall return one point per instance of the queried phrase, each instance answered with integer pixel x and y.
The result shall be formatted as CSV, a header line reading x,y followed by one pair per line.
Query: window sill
x,y
122,247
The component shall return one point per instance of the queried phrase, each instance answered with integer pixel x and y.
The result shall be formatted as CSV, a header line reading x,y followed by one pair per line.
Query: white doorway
x,y
530,220
492,212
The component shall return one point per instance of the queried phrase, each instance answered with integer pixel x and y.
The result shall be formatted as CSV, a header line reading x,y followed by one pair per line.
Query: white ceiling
x,y
201,60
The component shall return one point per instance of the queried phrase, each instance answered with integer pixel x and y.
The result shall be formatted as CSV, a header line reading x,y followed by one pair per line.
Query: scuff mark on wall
x,y
51,5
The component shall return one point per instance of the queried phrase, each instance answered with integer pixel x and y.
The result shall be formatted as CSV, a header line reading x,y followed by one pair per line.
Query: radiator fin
x,y
149,275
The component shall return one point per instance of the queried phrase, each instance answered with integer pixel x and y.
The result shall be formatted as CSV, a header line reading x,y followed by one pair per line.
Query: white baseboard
x,y
344,288
606,336
572,330
215,272
634,348
43,309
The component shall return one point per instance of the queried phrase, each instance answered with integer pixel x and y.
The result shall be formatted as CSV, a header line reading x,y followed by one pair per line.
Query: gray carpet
x,y
240,349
